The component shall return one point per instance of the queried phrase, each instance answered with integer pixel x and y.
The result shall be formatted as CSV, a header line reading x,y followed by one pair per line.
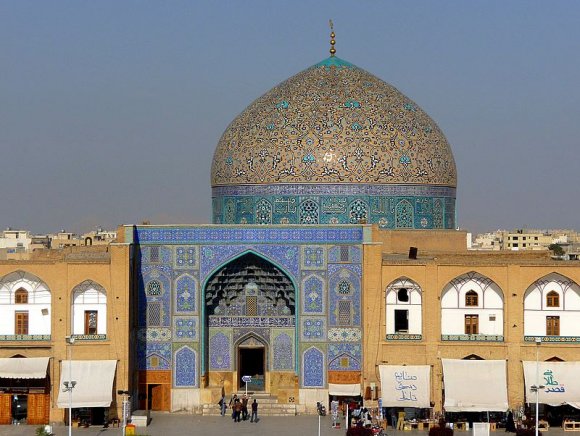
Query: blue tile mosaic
x,y
313,368
344,285
224,235
283,356
215,256
186,257
220,356
313,257
344,357
154,355
313,294
185,294
185,370
313,329
185,328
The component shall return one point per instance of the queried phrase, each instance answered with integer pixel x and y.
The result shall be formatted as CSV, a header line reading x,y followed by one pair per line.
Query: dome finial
x,y
332,41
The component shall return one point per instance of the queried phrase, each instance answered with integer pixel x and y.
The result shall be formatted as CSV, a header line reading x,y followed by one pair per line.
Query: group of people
x,y
239,407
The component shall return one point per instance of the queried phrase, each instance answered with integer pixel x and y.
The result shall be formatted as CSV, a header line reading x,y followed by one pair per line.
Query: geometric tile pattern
x,y
186,257
344,334
313,329
313,257
185,328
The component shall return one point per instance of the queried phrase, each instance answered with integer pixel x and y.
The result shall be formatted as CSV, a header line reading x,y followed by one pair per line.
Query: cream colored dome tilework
x,y
333,123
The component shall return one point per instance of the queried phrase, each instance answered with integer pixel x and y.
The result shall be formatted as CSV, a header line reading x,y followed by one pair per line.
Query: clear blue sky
x,y
110,110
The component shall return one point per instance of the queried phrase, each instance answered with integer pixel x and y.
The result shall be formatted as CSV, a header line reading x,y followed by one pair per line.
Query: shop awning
x,y
560,381
405,386
475,385
346,390
94,383
23,367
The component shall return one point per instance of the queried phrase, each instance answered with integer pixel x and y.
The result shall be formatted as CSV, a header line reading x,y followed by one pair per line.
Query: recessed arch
x,y
89,309
472,304
278,300
551,304
403,306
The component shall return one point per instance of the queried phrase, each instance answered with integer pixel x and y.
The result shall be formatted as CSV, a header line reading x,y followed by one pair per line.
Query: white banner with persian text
x,y
405,386
560,382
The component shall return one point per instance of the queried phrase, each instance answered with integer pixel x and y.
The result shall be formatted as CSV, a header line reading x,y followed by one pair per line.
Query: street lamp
x,y
125,407
536,388
70,384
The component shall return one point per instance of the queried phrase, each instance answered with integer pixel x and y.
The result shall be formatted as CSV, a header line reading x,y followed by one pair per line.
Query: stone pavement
x,y
165,424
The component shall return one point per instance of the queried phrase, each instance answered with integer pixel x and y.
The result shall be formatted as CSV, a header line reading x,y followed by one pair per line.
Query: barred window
x,y
153,314
553,299
344,312
21,296
471,299
252,306
153,288
344,253
154,254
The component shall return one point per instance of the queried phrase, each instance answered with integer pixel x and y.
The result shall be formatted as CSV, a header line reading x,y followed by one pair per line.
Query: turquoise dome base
x,y
389,206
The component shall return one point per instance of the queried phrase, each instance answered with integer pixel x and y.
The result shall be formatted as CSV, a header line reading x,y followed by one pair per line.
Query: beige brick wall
x,y
513,273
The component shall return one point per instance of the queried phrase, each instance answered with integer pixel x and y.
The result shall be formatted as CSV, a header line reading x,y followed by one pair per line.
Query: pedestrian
x,y
222,404
510,425
244,407
254,417
232,404
394,418
237,410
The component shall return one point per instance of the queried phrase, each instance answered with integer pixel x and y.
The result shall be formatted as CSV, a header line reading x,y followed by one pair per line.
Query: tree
x,y
556,249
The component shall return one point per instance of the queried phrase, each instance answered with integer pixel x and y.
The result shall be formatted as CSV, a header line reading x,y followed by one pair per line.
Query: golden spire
x,y
332,41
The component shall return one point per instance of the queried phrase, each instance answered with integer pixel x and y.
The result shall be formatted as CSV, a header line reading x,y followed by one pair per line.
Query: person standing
x,y
254,417
222,404
237,410
244,407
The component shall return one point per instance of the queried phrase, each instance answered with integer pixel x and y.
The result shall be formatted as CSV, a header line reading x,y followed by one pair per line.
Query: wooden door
x,y
5,409
157,397
160,397
38,408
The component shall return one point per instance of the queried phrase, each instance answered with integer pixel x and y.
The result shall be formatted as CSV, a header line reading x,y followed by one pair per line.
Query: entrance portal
x,y
251,362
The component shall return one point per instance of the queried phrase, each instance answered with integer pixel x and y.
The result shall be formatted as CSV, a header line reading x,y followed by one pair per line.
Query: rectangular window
x,y
344,312
252,306
154,256
91,322
471,324
153,314
21,323
344,253
552,326
401,321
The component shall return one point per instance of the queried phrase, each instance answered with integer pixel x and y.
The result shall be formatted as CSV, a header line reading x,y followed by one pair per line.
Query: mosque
x,y
333,268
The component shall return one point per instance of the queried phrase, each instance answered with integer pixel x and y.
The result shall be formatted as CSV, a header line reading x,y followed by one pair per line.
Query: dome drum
x,y
390,206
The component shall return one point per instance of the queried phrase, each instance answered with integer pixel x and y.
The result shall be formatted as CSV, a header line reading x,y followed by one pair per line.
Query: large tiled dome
x,y
334,144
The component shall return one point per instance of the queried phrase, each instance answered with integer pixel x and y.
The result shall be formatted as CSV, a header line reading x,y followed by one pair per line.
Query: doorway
x,y
252,362
157,397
